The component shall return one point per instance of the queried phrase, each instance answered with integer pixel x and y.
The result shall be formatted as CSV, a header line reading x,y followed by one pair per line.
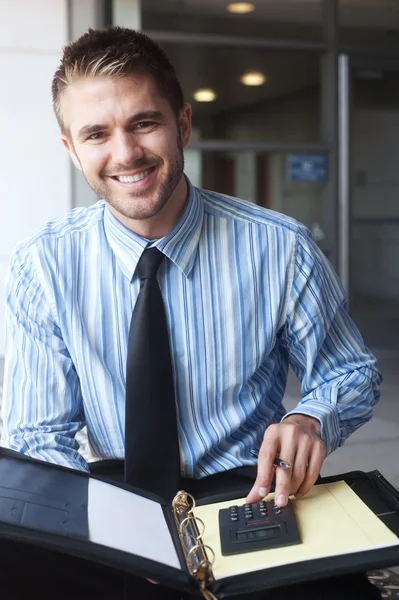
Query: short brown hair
x,y
115,52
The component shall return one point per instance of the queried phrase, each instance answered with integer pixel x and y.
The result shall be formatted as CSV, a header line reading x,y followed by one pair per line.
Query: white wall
x,y
34,167
127,13
193,166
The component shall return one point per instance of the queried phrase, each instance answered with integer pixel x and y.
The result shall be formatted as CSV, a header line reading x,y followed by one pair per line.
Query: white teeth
x,y
134,178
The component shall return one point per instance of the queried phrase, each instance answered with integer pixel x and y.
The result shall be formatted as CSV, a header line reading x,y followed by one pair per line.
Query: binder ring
x,y
202,547
192,502
212,560
195,521
184,496
195,552
188,541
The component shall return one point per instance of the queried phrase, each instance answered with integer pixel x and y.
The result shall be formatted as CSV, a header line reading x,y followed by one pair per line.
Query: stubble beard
x,y
137,205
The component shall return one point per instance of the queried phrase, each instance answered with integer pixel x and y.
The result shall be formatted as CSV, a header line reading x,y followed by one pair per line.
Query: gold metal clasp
x,y
199,557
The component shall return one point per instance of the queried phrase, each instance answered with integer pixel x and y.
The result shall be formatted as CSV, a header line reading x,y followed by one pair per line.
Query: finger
x,y
267,454
284,476
283,486
316,459
300,464
294,449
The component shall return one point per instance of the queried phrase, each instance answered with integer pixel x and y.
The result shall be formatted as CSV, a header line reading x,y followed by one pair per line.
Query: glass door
x,y
290,182
374,205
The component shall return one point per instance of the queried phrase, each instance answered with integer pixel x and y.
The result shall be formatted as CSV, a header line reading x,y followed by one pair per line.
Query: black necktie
x,y
151,440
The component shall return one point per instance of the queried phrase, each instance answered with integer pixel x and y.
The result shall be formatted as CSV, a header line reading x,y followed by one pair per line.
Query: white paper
x,y
125,521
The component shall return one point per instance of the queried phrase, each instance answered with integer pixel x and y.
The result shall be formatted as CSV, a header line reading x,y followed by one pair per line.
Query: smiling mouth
x,y
134,178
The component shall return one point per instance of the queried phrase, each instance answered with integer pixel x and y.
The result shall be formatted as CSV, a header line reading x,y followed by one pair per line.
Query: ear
x,y
185,124
68,145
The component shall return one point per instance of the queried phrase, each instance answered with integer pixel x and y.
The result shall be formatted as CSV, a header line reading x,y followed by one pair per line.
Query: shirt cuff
x,y
327,415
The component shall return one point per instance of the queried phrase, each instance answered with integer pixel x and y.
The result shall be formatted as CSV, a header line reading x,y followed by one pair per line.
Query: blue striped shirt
x,y
247,292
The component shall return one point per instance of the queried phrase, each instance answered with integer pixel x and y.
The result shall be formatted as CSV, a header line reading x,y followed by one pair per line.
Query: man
x,y
246,293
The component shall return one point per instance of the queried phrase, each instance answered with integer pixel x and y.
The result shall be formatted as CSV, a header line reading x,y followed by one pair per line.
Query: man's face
x,y
127,141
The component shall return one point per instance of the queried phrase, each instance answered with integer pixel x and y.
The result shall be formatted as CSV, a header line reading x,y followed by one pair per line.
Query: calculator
x,y
257,526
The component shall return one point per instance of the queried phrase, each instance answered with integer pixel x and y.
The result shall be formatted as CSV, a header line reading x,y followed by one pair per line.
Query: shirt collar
x,y
180,245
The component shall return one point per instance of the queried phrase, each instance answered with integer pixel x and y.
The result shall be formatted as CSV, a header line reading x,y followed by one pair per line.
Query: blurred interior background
x,y
295,107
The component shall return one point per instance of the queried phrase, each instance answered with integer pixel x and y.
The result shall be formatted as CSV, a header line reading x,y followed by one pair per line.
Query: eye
x,y
96,136
145,125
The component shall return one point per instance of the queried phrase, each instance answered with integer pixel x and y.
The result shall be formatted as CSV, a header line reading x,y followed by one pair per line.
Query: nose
x,y
126,149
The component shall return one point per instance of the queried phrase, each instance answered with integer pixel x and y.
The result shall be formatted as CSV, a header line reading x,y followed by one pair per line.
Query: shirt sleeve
x,y
340,381
42,407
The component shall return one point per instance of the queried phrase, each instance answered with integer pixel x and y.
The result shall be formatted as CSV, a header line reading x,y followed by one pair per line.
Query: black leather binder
x,y
71,512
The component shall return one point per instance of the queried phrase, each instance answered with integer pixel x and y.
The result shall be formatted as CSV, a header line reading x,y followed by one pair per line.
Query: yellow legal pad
x,y
331,519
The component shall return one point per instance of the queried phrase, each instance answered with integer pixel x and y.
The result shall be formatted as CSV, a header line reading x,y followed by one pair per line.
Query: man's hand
x,y
297,441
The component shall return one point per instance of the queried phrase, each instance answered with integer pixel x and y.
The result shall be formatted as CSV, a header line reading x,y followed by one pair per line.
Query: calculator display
x,y
249,535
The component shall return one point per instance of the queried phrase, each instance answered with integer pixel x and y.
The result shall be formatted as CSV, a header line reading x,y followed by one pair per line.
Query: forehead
x,y
109,100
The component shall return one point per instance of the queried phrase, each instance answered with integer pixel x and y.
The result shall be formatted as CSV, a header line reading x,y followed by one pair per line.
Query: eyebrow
x,y
137,117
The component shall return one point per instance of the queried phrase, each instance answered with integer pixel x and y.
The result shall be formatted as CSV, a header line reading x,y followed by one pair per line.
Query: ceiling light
x,y
241,8
253,78
205,95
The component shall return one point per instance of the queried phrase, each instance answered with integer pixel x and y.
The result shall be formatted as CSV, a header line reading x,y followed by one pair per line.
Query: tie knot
x,y
149,262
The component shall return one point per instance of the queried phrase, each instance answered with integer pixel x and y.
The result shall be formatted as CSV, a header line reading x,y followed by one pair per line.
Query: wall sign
x,y
307,167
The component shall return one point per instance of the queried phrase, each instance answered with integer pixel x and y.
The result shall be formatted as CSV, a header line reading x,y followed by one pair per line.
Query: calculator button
x,y
233,513
277,509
